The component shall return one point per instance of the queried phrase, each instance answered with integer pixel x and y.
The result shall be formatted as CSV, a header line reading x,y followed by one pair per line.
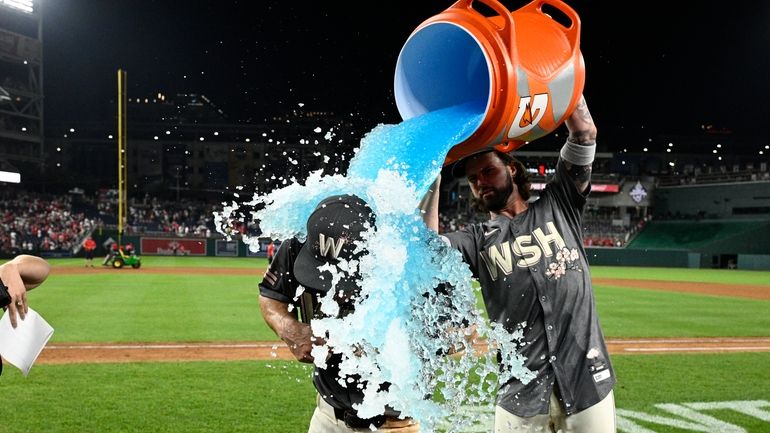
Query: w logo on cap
x,y
329,247
334,230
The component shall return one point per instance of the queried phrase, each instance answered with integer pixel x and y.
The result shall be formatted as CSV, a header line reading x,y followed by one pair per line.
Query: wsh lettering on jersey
x,y
527,250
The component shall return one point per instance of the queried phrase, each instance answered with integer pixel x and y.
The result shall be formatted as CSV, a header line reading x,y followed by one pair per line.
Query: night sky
x,y
650,70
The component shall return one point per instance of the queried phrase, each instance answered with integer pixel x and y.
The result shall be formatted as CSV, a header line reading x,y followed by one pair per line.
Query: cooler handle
x,y
572,32
506,31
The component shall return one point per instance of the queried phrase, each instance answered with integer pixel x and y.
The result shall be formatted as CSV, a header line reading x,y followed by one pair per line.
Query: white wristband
x,y
578,154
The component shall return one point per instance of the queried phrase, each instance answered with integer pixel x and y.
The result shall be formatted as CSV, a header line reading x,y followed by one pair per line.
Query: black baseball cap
x,y
458,168
333,228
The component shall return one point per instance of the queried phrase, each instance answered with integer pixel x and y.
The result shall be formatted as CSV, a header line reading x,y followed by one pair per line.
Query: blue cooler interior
x,y
441,66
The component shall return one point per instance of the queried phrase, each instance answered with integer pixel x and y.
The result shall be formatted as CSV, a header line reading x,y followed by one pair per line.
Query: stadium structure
x,y
696,200
21,92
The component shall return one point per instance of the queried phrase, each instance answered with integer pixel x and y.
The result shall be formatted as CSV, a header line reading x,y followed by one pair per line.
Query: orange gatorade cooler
x,y
522,70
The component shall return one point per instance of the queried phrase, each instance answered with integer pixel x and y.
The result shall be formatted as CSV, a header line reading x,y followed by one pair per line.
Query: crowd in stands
x,y
721,177
450,221
601,227
33,223
746,172
150,215
38,223
604,228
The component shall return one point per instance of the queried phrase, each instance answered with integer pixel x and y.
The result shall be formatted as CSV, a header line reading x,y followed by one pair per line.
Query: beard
x,y
496,201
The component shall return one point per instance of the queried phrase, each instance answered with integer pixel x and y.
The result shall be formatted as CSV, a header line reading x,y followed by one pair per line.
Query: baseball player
x,y
534,277
333,227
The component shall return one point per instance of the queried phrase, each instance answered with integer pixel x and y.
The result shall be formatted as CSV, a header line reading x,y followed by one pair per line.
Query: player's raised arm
x,y
429,205
579,150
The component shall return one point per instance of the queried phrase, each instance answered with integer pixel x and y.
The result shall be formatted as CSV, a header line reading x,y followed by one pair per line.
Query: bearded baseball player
x,y
534,276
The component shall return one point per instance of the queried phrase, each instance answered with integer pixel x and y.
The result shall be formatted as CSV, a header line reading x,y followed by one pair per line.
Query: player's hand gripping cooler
x,y
522,70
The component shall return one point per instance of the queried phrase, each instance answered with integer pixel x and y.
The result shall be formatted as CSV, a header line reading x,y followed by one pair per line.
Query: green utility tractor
x,y
122,259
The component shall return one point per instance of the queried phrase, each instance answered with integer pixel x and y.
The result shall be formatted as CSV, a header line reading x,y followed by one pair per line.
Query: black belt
x,y
351,420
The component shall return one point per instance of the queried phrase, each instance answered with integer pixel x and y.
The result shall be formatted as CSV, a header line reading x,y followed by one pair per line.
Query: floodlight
x,y
26,6
10,177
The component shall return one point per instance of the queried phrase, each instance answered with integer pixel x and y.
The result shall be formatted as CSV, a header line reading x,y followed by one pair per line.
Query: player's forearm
x,y
581,126
276,314
429,205
298,336
579,150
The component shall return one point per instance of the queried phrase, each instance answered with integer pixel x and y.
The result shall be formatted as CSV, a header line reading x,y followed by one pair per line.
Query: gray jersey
x,y
534,276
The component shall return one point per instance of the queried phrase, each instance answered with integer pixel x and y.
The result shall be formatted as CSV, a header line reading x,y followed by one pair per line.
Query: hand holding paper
x,y
21,346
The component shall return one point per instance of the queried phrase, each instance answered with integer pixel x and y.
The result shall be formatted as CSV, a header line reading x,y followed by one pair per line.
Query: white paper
x,y
21,346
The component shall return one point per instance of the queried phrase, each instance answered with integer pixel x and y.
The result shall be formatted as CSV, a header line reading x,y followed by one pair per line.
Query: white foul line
x,y
697,349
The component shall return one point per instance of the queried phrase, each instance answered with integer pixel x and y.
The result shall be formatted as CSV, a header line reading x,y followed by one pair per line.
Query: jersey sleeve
x,y
278,281
565,195
467,242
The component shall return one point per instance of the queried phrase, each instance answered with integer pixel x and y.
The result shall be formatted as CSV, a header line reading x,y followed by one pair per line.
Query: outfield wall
x,y
675,259
669,258
180,246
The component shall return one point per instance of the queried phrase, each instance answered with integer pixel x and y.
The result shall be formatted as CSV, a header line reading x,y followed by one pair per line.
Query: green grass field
x,y
655,393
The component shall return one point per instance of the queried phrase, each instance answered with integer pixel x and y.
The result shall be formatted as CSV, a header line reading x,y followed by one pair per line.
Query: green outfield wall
x,y
668,258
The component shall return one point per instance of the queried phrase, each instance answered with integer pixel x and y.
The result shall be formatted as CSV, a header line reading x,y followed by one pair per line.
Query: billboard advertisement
x,y
173,247
226,248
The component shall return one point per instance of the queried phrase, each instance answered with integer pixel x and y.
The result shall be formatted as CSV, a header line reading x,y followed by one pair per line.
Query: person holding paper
x,y
24,272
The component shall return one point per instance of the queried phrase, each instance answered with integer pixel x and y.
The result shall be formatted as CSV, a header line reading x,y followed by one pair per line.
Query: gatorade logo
x,y
531,111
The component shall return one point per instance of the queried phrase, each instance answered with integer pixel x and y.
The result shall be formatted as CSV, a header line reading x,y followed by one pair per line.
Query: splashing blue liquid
x,y
416,147
402,326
